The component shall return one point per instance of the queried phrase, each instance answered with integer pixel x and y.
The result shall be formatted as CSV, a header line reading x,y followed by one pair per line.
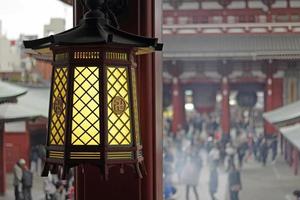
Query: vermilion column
x,y
225,116
2,160
178,105
269,102
273,98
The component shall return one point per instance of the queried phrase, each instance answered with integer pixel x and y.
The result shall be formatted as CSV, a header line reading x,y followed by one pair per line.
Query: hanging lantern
x,y
93,116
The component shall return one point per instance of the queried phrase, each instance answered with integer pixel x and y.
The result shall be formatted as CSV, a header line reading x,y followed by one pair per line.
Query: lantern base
x,y
62,171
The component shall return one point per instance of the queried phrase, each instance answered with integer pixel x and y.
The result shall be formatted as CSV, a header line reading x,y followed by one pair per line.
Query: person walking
x,y
264,148
241,152
214,156
49,187
17,178
234,182
274,147
191,171
27,180
34,159
230,154
213,182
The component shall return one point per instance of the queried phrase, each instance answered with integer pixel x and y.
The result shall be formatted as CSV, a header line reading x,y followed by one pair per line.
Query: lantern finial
x,y
94,4
99,9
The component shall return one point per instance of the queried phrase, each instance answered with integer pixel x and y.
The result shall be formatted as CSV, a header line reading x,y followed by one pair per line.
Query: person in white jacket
x,y
49,187
17,182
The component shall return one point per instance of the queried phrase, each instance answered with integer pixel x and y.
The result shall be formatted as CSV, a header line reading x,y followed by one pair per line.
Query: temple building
x,y
222,48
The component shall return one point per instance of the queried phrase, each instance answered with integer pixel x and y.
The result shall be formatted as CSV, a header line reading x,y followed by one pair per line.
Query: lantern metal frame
x,y
100,61
94,43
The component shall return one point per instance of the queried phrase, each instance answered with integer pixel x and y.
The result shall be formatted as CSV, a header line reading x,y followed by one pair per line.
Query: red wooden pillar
x,y
290,154
273,98
285,149
177,105
269,128
2,161
225,117
142,17
281,144
295,160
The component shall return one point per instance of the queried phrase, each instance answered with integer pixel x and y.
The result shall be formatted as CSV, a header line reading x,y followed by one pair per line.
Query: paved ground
x,y
273,182
202,188
37,190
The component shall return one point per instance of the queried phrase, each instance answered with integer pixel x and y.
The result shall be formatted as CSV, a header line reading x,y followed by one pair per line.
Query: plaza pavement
x,y
37,190
272,182
275,181
203,186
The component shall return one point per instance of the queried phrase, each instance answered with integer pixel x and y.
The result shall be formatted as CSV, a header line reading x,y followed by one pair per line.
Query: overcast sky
x,y
30,16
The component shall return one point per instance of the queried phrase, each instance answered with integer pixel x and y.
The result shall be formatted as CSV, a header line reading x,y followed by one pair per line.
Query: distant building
x,y
20,43
56,25
9,55
41,71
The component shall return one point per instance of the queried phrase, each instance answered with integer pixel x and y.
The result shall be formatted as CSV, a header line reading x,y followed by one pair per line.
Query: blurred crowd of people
x,y
57,189
201,141
22,181
54,187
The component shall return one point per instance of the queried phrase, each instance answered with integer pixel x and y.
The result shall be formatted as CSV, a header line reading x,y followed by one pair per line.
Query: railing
x,y
232,28
231,21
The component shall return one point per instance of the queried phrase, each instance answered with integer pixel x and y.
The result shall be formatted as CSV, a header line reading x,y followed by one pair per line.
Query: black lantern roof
x,y
94,29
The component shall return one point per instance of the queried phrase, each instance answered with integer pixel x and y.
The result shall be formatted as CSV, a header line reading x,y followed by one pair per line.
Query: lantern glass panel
x,y
118,111
86,103
58,110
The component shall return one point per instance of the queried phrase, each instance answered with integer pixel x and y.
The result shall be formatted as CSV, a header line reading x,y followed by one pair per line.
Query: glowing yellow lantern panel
x,y
58,111
85,111
118,112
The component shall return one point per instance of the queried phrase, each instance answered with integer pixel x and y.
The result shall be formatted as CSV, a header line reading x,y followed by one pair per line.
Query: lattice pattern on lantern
x,y
118,107
86,103
135,107
58,111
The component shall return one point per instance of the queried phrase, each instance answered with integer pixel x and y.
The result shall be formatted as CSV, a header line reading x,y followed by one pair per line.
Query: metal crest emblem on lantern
x,y
58,106
94,115
118,105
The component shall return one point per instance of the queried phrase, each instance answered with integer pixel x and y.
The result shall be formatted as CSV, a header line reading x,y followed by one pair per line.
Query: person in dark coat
x,y
234,182
27,180
213,182
264,148
274,148
241,151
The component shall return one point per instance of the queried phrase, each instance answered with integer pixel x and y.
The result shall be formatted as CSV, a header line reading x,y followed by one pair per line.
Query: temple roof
x,y
235,46
9,92
292,134
32,105
287,114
